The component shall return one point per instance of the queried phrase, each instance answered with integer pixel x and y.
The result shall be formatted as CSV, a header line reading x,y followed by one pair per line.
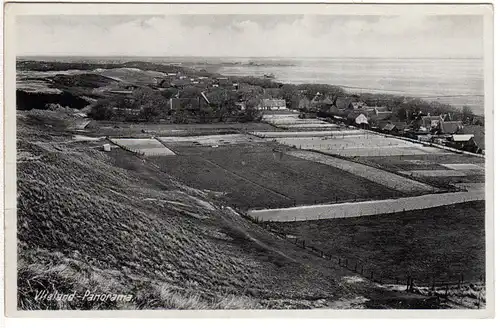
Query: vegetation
x,y
115,224
260,176
424,246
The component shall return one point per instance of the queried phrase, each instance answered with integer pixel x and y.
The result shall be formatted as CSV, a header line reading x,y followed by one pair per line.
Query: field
x,y
292,121
260,175
113,223
359,145
390,180
438,169
141,130
212,140
441,242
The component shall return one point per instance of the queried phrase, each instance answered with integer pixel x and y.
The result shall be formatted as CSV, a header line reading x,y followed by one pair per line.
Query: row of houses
x,y
200,81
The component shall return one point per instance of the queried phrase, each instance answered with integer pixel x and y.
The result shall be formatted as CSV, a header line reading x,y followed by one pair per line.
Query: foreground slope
x,y
113,223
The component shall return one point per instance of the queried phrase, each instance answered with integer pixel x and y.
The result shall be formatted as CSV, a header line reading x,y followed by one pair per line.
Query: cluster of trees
x,y
150,105
143,103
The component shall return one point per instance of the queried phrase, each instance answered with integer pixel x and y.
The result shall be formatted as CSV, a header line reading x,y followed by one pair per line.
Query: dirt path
x,y
375,207
382,177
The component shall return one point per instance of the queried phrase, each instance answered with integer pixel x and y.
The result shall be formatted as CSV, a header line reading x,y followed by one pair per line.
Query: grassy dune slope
x,y
108,224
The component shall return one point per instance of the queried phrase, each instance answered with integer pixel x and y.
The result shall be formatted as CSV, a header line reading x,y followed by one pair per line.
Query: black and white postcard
x,y
187,158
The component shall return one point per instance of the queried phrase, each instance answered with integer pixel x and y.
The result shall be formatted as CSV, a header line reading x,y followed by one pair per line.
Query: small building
x,y
430,123
357,105
390,128
361,120
451,127
272,104
464,142
357,118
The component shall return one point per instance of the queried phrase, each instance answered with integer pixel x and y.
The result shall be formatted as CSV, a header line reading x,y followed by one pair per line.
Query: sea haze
x,y
458,82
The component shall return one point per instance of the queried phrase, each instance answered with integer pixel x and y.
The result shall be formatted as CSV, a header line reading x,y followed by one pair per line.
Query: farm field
x,y
441,169
212,140
439,242
259,175
163,129
292,121
304,134
390,180
359,145
146,147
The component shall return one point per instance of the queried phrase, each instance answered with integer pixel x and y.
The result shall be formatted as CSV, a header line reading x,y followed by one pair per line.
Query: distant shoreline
x,y
23,57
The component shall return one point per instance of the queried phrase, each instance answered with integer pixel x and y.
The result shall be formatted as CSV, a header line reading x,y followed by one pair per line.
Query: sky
x,y
411,36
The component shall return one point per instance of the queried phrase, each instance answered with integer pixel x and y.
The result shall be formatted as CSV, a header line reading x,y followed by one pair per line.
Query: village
x,y
202,97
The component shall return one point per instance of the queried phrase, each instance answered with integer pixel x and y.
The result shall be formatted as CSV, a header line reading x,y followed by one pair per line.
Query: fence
x,y
430,287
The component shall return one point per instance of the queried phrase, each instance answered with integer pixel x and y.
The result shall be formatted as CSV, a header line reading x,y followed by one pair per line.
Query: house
x,y
361,119
272,104
430,123
188,103
357,105
357,118
464,142
451,127
346,103
478,132
390,128
379,115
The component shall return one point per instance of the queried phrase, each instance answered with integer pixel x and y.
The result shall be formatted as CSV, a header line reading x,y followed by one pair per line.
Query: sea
x,y
455,81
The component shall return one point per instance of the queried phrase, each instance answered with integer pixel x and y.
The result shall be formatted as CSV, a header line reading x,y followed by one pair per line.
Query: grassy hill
x,y
113,223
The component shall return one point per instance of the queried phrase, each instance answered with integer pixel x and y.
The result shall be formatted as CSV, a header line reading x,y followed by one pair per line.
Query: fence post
x,y
371,275
304,244
340,262
356,267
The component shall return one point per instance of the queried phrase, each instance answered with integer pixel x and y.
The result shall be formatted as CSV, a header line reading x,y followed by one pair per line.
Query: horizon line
x,y
243,57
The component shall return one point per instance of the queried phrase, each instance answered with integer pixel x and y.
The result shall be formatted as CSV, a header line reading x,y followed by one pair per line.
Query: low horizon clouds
x,y
251,36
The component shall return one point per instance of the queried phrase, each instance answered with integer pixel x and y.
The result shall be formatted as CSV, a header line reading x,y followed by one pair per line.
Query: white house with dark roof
x,y
272,104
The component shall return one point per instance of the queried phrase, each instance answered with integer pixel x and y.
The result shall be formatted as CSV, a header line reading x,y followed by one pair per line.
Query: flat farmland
x,y
136,130
258,175
146,147
352,143
440,242
437,169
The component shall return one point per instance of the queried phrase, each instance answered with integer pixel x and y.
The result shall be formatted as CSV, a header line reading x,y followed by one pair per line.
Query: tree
x,y
102,110
252,111
150,102
223,103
